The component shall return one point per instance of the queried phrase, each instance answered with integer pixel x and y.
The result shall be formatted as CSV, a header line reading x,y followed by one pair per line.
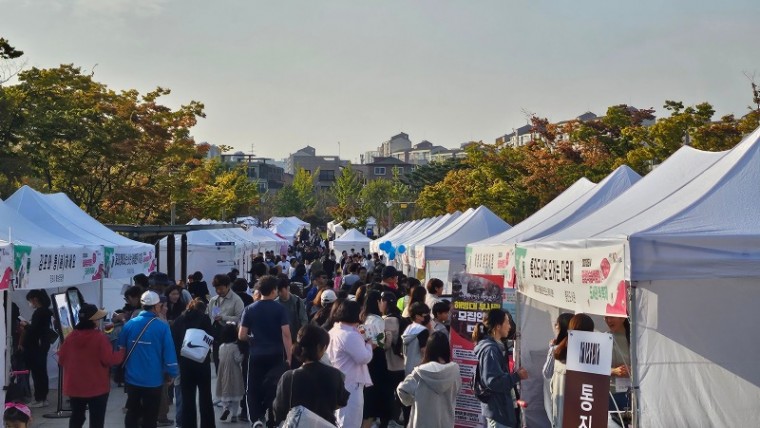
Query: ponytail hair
x,y
492,319
581,322
310,339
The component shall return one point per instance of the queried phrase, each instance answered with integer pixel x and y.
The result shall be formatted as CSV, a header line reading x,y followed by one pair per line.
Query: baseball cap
x,y
389,272
328,296
91,312
150,298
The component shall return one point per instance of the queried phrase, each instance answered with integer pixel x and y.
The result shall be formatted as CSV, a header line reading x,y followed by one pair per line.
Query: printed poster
x,y
6,265
590,280
472,296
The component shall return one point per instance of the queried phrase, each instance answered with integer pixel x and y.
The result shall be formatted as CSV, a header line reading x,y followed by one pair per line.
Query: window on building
x,y
398,169
327,175
263,187
379,170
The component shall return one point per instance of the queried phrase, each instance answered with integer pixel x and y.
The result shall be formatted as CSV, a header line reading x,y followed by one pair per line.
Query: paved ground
x,y
114,414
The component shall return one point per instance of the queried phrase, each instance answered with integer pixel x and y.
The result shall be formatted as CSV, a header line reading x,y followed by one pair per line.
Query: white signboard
x,y
589,352
588,280
439,269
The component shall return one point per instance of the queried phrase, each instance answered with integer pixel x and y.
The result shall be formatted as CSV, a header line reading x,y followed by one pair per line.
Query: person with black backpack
x,y
394,355
493,382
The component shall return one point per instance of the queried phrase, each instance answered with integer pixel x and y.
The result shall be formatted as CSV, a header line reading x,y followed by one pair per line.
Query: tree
x,y
347,189
304,183
7,51
221,193
426,175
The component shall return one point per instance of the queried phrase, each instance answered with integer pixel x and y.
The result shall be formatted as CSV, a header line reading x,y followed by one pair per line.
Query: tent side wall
x,y
696,369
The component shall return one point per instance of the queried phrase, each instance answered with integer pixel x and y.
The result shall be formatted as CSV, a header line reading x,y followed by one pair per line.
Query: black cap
x,y
159,278
389,272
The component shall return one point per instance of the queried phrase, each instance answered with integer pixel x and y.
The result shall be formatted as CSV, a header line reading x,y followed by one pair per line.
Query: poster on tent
x,y
40,267
125,262
472,296
590,280
438,269
490,259
6,265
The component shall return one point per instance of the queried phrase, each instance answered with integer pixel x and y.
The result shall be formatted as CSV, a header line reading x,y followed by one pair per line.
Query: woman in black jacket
x,y
192,375
35,344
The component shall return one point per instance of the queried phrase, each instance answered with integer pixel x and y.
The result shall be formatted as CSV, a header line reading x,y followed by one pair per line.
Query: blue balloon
x,y
392,255
401,249
388,245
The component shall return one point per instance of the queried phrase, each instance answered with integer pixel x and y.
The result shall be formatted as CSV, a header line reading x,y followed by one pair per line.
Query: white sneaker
x,y
258,424
38,404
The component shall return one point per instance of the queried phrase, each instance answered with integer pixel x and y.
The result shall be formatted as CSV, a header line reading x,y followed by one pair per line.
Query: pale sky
x,y
280,75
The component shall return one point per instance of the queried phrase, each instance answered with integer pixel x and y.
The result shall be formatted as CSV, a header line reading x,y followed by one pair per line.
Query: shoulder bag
x,y
300,416
118,374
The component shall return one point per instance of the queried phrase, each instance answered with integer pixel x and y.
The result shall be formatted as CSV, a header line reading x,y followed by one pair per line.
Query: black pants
x,y
36,362
258,367
97,406
196,377
244,400
142,404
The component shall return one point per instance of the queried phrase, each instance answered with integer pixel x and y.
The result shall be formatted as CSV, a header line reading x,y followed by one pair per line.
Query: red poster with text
x,y
473,296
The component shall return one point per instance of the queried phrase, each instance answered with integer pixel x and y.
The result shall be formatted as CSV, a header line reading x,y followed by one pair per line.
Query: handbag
x,y
301,417
118,374
196,345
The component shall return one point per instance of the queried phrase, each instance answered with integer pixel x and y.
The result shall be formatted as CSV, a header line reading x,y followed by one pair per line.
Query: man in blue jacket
x,y
151,362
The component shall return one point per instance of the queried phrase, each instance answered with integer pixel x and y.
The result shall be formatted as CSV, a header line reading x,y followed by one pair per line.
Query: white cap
x,y
150,298
328,296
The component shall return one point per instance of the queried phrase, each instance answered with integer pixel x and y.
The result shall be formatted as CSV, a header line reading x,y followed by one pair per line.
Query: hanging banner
x,y
473,296
590,280
126,262
6,265
587,380
489,259
41,267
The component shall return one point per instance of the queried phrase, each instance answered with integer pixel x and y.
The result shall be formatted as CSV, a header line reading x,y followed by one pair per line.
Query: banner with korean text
x,y
6,265
587,380
590,280
473,296
50,267
493,260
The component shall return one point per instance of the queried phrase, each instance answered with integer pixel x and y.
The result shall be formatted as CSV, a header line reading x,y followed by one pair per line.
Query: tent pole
x,y
634,359
8,334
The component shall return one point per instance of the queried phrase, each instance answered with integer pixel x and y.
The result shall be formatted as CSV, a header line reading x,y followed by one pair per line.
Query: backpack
x,y
476,384
398,345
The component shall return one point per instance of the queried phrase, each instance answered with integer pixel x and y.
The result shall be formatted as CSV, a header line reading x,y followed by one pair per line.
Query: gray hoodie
x,y
431,386
412,350
495,375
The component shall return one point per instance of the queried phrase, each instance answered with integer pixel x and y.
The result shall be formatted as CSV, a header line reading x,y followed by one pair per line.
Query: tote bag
x,y
196,345
300,416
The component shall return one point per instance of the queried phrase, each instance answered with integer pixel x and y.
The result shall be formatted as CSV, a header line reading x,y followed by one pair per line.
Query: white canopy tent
x,y
403,236
207,252
687,238
494,255
57,214
352,239
267,241
442,223
287,228
374,246
450,242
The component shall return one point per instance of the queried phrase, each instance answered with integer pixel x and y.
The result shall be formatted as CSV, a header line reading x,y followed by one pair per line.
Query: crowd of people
x,y
343,339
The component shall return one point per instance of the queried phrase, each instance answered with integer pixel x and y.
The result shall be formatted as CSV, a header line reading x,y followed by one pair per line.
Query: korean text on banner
x,y
587,380
590,280
473,296
6,265
45,267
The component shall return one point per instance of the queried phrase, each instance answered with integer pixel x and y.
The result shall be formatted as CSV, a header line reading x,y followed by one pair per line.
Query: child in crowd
x,y
229,382
17,415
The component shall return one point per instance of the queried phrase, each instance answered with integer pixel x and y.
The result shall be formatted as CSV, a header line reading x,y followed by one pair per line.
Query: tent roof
x,y
481,222
353,235
578,201
696,216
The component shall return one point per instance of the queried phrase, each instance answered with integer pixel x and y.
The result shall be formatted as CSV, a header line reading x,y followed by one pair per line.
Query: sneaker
x,y
38,404
218,403
258,424
165,423
225,414
234,419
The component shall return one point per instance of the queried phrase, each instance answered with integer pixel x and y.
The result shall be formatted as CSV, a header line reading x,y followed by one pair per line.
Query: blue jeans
x,y
178,404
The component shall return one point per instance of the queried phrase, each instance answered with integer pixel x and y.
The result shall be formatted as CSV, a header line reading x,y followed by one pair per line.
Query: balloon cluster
x,y
389,249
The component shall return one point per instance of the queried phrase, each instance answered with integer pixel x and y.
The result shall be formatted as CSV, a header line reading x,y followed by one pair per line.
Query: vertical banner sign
x,y
587,381
590,280
473,295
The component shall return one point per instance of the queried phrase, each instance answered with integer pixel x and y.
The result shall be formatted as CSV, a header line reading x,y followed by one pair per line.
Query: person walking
x,y
494,370
350,353
225,307
230,388
434,384
376,405
87,356
314,385
151,361
293,305
194,376
266,327
35,344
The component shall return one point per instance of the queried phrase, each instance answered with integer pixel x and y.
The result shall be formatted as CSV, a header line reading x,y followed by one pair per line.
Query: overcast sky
x,y
280,75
